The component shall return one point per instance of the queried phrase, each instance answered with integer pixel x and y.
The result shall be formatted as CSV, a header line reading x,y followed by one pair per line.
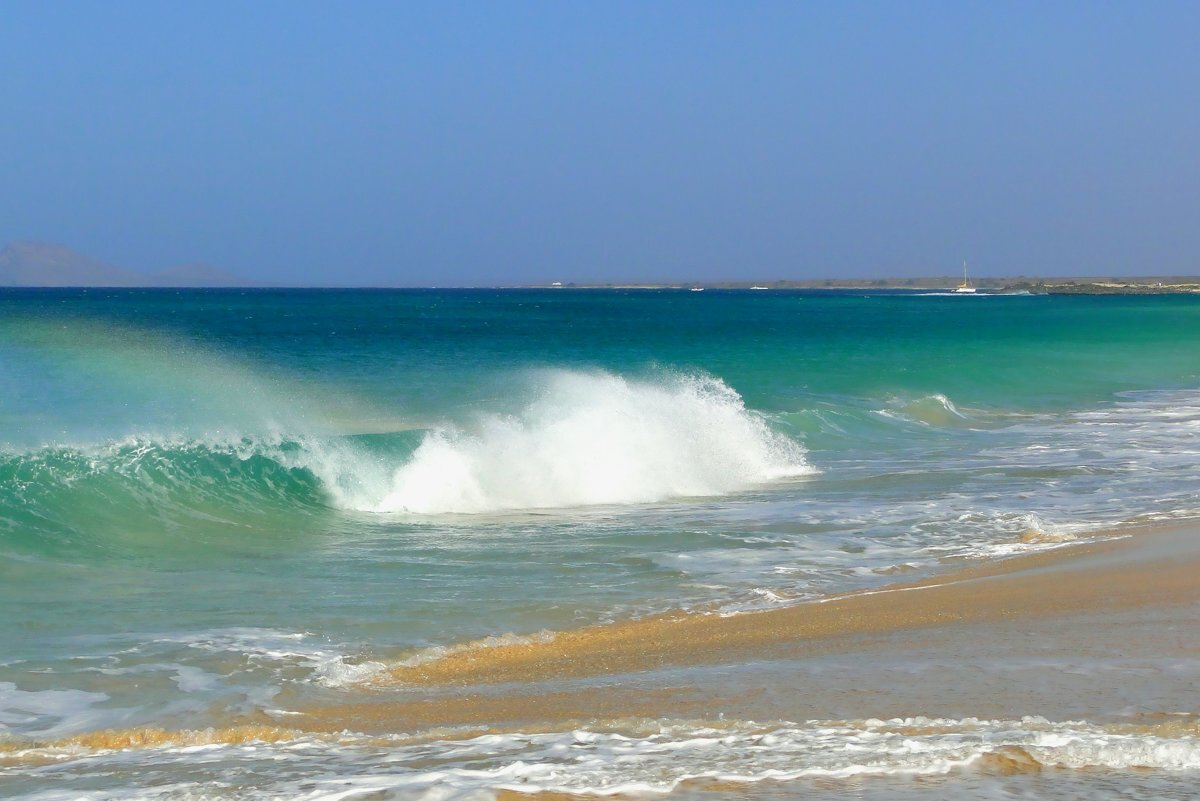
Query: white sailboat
x,y
965,287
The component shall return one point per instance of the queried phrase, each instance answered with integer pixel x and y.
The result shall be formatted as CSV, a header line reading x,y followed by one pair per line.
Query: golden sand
x,y
37,752
153,737
549,795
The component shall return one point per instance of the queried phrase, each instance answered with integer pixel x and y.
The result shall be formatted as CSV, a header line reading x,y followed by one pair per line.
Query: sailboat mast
x,y
965,287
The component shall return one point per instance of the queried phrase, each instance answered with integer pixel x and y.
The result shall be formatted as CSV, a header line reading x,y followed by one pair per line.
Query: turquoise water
x,y
210,500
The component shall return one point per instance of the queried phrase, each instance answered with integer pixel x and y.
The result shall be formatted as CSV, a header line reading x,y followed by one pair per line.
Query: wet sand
x,y
893,652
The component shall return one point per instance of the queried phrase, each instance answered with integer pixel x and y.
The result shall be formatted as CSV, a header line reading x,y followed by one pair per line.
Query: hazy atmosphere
x,y
486,143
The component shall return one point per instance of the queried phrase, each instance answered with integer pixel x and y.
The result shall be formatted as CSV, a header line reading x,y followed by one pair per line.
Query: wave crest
x,y
584,439
597,438
936,411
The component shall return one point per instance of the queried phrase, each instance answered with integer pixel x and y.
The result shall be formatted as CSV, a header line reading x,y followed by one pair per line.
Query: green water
x,y
210,498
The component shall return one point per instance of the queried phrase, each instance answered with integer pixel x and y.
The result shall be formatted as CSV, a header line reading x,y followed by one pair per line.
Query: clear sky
x,y
479,143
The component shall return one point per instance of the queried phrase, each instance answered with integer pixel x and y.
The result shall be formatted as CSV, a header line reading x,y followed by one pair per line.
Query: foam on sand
x,y
627,756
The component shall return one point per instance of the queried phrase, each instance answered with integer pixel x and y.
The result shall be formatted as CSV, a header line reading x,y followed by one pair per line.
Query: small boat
x,y
965,287
760,287
697,289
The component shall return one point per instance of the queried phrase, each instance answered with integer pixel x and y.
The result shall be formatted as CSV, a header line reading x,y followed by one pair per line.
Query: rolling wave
x,y
931,410
584,439
70,496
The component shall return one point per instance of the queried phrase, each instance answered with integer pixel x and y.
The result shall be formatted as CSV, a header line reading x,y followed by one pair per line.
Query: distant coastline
x,y
1140,285
47,265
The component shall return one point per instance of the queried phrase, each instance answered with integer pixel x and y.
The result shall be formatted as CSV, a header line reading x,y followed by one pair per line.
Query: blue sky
x,y
458,143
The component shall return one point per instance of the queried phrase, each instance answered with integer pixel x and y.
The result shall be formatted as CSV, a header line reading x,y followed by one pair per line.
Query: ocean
x,y
222,508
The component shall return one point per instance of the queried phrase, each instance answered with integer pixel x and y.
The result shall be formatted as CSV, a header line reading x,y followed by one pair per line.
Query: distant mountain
x,y
45,264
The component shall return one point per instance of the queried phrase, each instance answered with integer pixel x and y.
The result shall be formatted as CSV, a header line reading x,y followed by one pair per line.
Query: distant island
x,y
41,264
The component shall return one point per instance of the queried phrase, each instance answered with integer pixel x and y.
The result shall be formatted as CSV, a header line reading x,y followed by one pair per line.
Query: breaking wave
x,y
584,439
597,438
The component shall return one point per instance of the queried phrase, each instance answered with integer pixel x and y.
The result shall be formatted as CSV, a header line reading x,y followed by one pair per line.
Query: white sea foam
x,y
281,650
44,711
595,438
632,757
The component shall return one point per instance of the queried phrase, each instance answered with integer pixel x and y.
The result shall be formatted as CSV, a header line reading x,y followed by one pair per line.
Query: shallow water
x,y
212,502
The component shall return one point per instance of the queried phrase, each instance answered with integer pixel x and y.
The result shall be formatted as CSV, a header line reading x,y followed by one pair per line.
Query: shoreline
x,y
1098,588
1124,596
990,590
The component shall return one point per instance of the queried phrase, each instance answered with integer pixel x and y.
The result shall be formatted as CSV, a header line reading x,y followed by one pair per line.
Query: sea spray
x,y
90,382
598,438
